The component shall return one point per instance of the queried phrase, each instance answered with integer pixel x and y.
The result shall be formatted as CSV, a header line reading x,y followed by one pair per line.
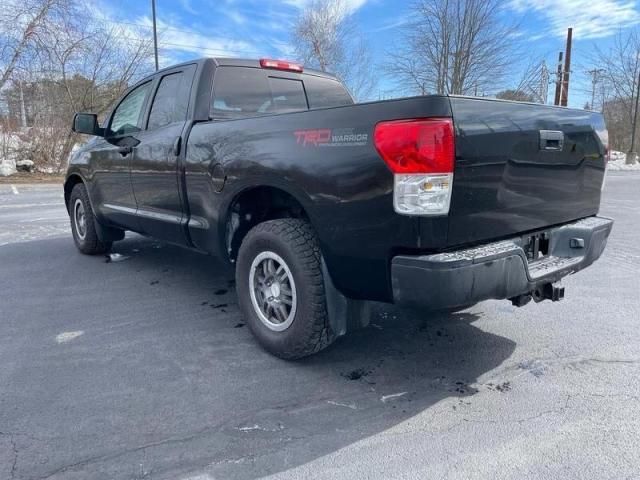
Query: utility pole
x,y
632,155
595,73
155,34
564,98
556,100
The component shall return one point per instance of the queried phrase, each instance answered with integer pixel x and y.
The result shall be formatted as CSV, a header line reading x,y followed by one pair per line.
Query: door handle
x,y
124,151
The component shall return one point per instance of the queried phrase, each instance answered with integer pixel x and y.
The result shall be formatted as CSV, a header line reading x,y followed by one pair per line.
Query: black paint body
x,y
503,183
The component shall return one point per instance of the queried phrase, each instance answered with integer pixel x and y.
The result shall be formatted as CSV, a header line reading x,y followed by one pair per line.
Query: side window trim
x,y
146,110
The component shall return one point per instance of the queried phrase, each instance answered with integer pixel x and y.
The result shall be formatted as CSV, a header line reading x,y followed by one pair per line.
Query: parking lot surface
x,y
139,365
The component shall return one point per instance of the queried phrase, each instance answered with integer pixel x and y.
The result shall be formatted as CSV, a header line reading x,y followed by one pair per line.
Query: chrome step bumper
x,y
497,270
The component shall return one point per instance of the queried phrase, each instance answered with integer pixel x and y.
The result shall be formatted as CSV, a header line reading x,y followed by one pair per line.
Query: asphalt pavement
x,y
139,366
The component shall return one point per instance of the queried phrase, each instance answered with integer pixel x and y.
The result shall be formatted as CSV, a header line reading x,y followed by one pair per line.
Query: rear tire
x,y
82,223
281,289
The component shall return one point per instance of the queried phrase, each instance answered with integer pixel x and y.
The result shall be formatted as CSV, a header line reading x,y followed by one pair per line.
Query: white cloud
x,y
392,23
235,16
589,18
186,5
180,38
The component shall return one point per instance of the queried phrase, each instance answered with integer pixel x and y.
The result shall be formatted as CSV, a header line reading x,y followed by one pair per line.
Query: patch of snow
x,y
68,336
386,398
615,156
116,257
618,161
10,147
7,167
255,427
619,166
346,405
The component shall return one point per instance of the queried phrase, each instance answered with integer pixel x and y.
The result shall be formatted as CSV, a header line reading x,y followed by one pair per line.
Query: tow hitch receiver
x,y
548,291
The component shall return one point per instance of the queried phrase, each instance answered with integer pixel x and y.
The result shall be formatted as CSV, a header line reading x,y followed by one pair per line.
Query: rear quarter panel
x,y
327,160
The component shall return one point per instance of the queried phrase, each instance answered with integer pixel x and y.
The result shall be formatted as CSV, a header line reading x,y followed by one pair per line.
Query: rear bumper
x,y
497,270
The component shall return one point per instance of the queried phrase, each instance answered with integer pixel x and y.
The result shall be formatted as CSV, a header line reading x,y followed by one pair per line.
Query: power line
x,y
143,25
189,32
191,47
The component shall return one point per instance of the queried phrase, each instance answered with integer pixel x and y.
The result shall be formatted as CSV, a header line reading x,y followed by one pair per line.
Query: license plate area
x,y
536,246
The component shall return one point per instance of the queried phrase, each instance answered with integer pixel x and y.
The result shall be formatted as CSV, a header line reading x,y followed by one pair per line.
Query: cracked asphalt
x,y
138,366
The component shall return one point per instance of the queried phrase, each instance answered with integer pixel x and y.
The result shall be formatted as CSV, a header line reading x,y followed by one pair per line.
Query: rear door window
x,y
171,101
241,92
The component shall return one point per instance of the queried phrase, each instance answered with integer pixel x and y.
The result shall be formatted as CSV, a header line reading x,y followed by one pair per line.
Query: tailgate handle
x,y
551,140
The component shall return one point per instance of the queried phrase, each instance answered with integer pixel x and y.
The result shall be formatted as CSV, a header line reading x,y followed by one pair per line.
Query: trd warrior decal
x,y
326,137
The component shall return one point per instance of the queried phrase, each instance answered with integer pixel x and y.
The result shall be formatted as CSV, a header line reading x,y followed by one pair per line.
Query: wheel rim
x,y
273,291
80,219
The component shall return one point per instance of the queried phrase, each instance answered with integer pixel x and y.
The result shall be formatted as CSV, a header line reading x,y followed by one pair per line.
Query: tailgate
x,y
522,167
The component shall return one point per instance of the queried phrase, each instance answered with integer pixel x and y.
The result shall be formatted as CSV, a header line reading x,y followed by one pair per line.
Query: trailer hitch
x,y
547,291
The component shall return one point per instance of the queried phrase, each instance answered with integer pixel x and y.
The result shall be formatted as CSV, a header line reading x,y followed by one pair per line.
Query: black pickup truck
x,y
322,204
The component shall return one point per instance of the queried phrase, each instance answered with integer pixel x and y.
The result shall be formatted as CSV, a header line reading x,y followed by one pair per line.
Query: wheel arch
x,y
256,204
71,181
105,233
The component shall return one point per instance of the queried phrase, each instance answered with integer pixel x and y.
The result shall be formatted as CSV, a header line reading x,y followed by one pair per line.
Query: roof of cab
x,y
239,62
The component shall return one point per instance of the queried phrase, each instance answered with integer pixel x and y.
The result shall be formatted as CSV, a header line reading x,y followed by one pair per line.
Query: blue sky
x,y
255,28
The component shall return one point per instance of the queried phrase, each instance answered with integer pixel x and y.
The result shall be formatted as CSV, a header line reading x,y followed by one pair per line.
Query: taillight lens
x,y
416,146
421,154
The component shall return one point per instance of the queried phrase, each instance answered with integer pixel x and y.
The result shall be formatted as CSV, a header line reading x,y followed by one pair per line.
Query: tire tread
x,y
91,244
301,238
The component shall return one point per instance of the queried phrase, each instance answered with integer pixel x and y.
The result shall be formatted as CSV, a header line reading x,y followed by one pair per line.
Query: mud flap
x,y
108,234
345,314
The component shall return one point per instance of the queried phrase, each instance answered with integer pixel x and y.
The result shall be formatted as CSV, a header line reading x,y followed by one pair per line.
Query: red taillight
x,y
280,65
417,145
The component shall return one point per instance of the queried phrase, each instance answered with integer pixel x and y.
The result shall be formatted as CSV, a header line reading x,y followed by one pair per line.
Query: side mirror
x,y
87,123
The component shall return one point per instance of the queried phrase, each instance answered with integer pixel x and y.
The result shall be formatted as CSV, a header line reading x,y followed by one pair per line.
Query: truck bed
x,y
326,159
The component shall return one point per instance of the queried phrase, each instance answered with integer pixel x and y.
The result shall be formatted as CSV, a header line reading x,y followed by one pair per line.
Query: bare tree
x,y
76,63
21,22
621,70
453,47
515,95
326,38
532,85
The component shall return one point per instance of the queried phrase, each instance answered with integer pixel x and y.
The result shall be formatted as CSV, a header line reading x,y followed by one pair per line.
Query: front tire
x,y
281,289
83,223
